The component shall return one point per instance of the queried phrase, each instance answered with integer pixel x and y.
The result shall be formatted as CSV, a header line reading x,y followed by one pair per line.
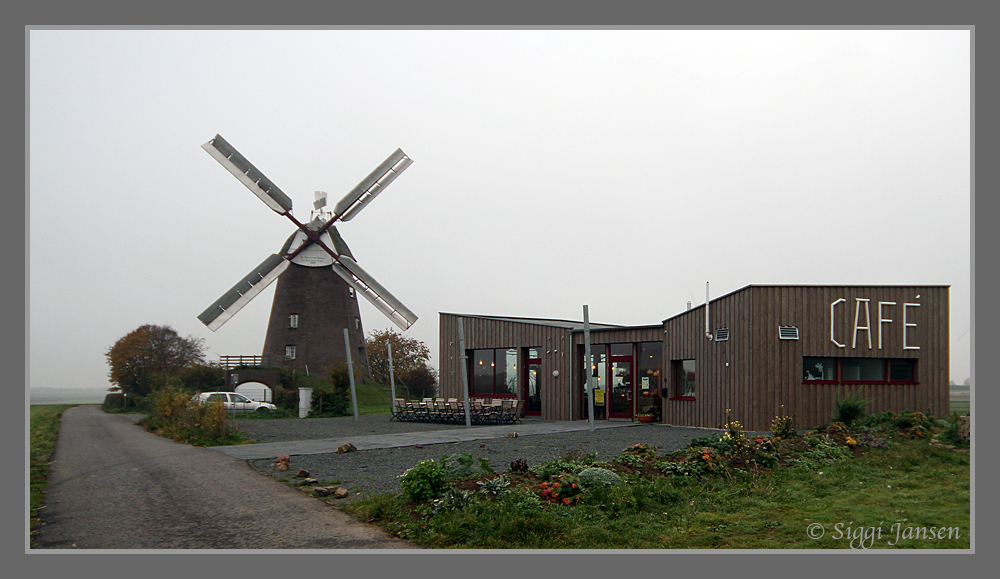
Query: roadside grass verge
x,y
717,494
44,426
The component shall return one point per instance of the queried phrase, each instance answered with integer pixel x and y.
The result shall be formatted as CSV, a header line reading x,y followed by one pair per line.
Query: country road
x,y
114,486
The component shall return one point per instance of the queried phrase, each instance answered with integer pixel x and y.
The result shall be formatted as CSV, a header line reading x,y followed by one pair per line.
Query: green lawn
x,y
44,426
900,490
961,406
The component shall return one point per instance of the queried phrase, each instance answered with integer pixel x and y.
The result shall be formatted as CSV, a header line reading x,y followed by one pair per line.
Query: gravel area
x,y
370,472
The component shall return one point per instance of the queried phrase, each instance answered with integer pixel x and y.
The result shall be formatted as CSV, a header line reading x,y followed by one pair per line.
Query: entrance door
x,y
621,384
533,382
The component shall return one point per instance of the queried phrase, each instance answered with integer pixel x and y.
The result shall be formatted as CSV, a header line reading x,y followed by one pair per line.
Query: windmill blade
x,y
373,291
241,293
249,175
372,185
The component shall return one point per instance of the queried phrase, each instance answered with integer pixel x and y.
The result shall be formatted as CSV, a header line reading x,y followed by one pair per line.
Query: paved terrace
x,y
404,439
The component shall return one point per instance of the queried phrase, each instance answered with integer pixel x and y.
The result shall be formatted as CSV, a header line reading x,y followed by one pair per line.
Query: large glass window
x,y
494,372
867,370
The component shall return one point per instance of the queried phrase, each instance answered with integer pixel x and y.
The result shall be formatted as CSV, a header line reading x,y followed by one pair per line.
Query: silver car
x,y
235,402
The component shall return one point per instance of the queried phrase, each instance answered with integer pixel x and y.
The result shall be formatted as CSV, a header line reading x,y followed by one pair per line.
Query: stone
x,y
320,491
340,493
309,481
348,447
303,473
511,435
281,466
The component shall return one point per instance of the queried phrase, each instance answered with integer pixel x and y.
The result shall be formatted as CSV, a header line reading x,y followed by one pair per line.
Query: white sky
x,y
552,169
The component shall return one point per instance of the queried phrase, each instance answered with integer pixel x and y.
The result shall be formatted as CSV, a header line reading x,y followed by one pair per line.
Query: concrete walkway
x,y
328,445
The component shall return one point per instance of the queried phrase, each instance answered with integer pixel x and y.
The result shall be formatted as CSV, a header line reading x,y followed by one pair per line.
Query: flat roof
x,y
571,325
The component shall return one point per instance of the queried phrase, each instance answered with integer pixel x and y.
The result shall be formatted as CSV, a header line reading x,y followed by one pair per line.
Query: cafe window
x,y
854,370
494,372
684,378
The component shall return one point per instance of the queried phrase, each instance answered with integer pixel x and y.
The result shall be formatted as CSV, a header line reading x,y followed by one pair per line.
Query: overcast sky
x,y
552,169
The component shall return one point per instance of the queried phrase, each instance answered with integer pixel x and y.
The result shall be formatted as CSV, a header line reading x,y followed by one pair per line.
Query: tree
x,y
408,354
421,382
148,355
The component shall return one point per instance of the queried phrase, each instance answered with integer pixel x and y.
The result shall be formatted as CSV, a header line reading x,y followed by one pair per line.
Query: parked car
x,y
235,402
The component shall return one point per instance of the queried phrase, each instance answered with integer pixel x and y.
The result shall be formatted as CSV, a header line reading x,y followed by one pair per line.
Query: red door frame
x,y
631,387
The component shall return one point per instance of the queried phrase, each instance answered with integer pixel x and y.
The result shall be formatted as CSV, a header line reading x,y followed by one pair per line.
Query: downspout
x,y
708,331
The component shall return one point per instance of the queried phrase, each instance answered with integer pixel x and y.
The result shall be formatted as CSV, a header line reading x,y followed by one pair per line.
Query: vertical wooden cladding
x,y
723,370
764,375
554,343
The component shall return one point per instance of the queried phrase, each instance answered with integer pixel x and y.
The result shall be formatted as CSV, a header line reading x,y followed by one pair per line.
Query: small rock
x,y
418,446
303,473
340,493
320,491
348,447
511,435
309,481
482,445
282,466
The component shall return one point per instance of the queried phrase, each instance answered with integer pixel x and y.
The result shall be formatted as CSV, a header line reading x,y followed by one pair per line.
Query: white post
x,y
588,363
305,401
465,370
350,373
392,379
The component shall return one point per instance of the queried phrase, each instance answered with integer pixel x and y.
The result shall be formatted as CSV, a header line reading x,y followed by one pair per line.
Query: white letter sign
x,y
908,325
868,322
832,339
882,320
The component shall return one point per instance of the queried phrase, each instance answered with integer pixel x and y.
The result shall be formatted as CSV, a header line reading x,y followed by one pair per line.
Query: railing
x,y
230,362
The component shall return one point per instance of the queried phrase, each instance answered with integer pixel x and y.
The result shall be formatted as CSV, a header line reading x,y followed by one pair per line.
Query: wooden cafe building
x,y
760,351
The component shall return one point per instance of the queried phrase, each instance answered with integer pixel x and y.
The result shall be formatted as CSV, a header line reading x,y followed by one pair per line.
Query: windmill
x,y
318,277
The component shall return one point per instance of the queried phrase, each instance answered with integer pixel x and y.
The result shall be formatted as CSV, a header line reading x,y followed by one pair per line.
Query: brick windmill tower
x,y
318,277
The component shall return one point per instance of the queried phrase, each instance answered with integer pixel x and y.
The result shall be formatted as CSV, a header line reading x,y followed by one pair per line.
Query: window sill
x,y
682,398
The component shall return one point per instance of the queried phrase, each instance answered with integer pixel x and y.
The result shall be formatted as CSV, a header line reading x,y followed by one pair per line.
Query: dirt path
x,y
114,486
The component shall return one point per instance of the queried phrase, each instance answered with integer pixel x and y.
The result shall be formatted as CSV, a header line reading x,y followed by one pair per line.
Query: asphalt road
x,y
113,485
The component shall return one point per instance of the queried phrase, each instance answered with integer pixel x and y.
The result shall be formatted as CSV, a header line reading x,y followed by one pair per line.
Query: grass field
x,y
903,495
44,426
961,406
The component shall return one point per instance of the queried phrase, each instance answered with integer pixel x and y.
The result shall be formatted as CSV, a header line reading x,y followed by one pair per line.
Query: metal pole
x,y
465,370
392,379
350,373
589,361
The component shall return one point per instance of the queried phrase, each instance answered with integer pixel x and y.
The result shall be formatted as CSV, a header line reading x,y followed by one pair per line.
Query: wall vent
x,y
721,334
788,333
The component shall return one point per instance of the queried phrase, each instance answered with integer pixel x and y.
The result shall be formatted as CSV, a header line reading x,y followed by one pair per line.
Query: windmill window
x,y
357,324
293,321
289,352
350,292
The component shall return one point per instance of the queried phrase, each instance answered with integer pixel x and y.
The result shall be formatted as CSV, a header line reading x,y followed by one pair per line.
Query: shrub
x,y
329,401
453,500
519,465
424,481
781,426
594,477
494,486
562,489
464,465
950,433
551,468
688,468
850,409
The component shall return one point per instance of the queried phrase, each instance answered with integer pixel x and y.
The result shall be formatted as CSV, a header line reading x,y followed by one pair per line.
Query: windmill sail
x,y
249,175
241,293
373,291
372,185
